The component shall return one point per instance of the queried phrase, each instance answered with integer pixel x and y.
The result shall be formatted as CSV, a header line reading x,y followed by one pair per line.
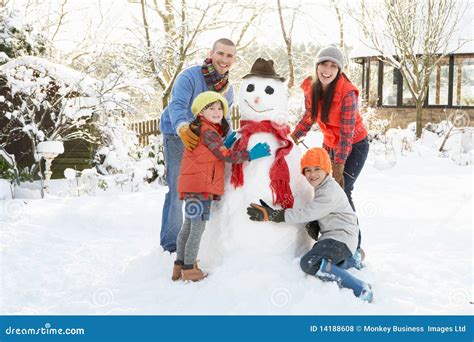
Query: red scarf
x,y
279,172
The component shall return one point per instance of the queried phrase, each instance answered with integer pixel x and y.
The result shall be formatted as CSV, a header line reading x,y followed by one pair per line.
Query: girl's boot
x,y
193,274
177,267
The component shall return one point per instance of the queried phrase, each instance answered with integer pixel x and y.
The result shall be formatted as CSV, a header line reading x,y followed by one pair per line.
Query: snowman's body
x,y
229,231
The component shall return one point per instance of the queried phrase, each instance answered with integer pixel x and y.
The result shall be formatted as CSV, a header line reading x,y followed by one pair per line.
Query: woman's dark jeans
x,y
354,164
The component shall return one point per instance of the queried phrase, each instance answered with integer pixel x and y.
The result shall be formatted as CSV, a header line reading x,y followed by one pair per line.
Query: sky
x,y
119,20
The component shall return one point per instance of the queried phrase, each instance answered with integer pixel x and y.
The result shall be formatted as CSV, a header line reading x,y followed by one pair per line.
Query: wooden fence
x,y
145,129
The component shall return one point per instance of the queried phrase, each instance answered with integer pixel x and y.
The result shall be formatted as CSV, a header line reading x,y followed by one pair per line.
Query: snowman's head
x,y
263,98
263,94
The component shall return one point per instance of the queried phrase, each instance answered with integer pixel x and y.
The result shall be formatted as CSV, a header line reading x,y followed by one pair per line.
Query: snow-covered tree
x,y
41,101
18,38
412,36
171,45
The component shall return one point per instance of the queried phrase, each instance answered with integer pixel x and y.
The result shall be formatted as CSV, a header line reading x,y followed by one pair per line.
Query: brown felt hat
x,y
263,68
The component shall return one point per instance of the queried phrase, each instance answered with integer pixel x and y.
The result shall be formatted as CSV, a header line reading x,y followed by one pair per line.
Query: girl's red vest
x,y
201,171
332,129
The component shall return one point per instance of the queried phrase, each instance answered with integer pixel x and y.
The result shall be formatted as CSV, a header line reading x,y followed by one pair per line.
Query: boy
x,y
336,248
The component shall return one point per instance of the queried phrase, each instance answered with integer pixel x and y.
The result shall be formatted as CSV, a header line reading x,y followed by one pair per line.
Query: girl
x,y
201,179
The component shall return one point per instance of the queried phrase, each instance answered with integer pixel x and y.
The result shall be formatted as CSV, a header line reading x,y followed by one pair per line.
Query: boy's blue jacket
x,y
189,84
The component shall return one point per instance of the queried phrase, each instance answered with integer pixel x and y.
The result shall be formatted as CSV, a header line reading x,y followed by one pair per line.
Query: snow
x,y
56,147
101,255
5,190
20,71
3,57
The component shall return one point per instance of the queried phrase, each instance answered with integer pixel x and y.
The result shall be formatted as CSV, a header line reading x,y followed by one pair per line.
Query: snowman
x,y
277,179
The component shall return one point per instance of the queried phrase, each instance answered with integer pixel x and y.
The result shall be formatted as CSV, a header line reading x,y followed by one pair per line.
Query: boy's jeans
x,y
330,249
172,218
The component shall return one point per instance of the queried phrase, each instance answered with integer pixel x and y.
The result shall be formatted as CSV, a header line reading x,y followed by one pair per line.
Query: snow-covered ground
x,y
101,254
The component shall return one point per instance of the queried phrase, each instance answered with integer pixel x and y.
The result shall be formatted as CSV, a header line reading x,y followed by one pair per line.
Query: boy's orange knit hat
x,y
316,156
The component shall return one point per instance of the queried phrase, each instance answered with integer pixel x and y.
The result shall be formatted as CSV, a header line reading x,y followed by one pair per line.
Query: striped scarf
x,y
214,81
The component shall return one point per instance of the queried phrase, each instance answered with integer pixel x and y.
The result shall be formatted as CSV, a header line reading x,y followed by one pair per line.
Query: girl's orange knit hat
x,y
316,156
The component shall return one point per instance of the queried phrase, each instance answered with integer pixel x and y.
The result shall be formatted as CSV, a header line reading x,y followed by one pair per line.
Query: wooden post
x,y
438,84
459,83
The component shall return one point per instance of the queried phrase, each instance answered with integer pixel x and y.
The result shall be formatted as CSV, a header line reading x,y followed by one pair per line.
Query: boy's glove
x,y
230,140
264,212
260,150
188,137
338,173
313,229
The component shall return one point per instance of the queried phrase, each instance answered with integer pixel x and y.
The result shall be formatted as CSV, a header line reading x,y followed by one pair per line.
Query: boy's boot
x,y
328,271
193,274
353,261
177,267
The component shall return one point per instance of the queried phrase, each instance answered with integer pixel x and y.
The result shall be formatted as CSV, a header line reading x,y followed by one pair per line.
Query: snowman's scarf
x,y
279,172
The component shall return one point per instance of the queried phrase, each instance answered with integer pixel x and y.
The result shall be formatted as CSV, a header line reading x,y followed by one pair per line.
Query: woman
x,y
331,101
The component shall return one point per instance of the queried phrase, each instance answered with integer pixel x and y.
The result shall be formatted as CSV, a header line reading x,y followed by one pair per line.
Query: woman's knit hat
x,y
316,156
330,53
208,97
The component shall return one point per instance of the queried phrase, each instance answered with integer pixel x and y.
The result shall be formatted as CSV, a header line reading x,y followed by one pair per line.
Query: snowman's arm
x,y
214,143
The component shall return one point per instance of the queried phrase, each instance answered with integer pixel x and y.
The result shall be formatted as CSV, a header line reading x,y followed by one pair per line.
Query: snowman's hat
x,y
263,68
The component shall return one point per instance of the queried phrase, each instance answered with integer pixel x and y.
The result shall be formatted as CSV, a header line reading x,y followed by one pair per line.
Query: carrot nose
x,y
256,100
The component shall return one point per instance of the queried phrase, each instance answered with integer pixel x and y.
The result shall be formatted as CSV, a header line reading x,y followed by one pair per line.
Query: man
x,y
212,75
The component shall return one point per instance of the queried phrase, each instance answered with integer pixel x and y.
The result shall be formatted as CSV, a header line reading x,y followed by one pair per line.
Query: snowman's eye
x,y
250,88
269,90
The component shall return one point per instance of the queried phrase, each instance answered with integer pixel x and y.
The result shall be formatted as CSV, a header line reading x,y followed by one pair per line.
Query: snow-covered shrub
x,y
376,126
9,171
433,142
18,38
118,147
47,101
154,154
121,156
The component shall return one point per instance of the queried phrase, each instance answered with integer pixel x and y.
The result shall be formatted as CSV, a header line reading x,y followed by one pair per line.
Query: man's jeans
x,y
172,218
